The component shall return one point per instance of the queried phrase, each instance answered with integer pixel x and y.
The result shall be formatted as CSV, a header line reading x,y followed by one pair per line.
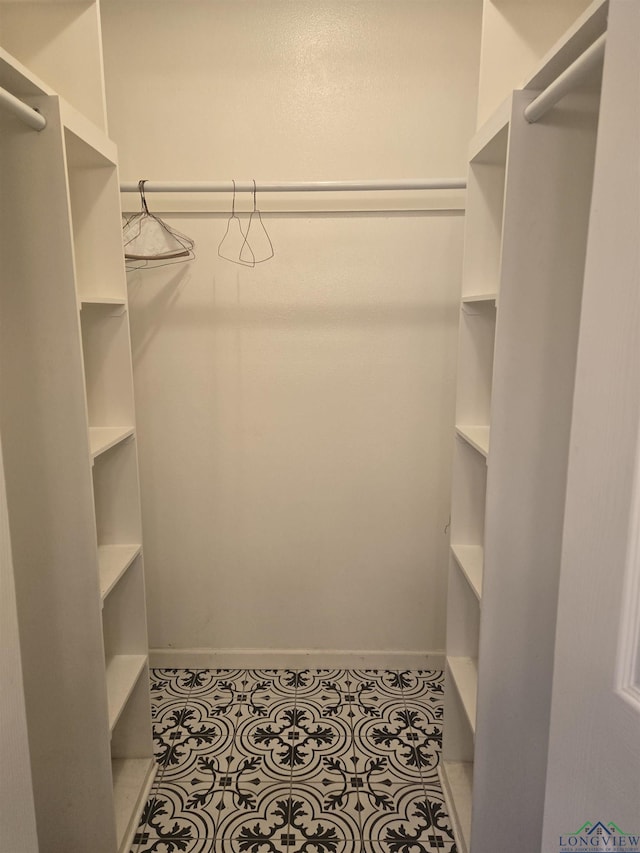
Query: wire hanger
x,y
149,242
235,234
260,236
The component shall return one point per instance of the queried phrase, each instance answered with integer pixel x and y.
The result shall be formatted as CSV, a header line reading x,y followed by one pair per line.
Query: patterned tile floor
x,y
296,761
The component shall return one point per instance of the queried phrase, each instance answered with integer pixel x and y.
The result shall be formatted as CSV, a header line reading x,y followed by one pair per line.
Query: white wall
x,y
295,420
17,815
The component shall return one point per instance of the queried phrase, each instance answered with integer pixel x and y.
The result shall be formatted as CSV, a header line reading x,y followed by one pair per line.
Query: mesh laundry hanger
x,y
234,244
261,246
150,242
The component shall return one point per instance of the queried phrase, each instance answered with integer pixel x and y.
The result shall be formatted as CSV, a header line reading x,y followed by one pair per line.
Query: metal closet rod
x,y
24,112
294,186
568,80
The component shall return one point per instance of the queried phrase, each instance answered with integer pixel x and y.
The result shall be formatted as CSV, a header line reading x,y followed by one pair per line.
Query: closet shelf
x,y
456,778
476,436
17,79
132,781
470,559
114,560
479,297
104,438
489,145
464,672
91,146
123,672
102,300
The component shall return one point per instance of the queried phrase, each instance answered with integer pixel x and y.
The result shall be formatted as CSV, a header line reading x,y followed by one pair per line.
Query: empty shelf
x,y
464,672
470,558
102,300
476,436
132,780
114,560
122,673
480,297
456,778
103,438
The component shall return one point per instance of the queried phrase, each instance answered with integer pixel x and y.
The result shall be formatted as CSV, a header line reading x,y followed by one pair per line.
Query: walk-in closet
x,y
319,426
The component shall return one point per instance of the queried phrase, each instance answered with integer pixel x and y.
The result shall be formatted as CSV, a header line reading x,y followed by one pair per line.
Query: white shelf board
x,y
479,297
456,778
464,672
470,558
586,29
476,436
123,672
132,781
102,300
18,79
485,146
114,560
104,438
91,135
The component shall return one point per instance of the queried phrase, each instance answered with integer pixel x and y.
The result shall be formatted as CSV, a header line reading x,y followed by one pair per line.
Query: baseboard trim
x,y
293,659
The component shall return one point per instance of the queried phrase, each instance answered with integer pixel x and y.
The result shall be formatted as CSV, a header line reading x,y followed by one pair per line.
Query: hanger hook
x,y
233,203
254,195
143,198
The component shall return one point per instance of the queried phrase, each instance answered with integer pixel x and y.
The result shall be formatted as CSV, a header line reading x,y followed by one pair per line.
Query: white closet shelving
x,y
528,204
68,430
516,35
481,280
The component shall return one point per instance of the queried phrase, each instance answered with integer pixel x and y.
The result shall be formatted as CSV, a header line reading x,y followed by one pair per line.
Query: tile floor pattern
x,y
296,761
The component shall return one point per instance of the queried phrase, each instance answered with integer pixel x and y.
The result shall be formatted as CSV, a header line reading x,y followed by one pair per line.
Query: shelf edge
x,y
461,827
477,442
464,674
456,551
127,669
119,434
133,552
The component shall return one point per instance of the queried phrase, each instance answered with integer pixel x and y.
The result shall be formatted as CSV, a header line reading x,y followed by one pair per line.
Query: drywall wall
x,y
295,420
17,815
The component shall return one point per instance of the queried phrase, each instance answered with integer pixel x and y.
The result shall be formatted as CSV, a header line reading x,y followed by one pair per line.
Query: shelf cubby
x,y
469,489
515,36
456,778
475,363
113,561
132,766
122,672
485,208
117,495
55,39
470,561
95,215
125,637
464,673
107,365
